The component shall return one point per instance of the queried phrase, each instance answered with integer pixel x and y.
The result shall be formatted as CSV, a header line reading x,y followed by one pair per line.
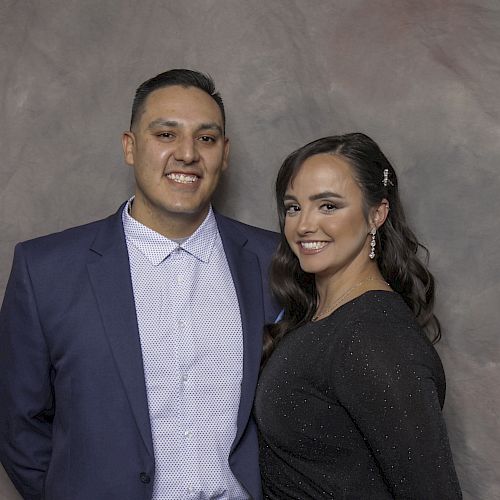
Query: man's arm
x,y
26,393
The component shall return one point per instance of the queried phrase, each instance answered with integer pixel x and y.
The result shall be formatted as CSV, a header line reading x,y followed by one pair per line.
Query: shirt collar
x,y
156,247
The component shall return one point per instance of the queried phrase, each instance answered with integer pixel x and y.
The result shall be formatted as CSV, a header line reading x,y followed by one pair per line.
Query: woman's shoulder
x,y
379,338
380,322
378,310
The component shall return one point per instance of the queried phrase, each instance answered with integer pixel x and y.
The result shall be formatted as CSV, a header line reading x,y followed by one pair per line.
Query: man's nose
x,y
186,150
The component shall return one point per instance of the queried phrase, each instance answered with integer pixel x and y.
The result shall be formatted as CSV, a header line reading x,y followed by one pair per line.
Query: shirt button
x,y
182,325
190,489
144,478
180,279
188,434
184,378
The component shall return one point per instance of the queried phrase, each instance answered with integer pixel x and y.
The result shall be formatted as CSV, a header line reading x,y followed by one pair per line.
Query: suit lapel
x,y
246,274
109,272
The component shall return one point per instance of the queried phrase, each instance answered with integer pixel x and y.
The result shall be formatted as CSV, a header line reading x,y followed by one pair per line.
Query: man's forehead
x,y
177,95
178,103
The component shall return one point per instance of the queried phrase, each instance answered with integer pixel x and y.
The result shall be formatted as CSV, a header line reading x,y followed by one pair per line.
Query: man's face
x,y
178,150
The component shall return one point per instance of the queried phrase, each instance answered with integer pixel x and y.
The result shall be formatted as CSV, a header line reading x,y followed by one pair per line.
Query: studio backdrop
x,y
419,76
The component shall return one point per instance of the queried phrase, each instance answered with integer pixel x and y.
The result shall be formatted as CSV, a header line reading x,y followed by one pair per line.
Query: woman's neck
x,y
345,285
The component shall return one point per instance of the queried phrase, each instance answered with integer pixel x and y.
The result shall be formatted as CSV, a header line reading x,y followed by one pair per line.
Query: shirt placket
x,y
182,267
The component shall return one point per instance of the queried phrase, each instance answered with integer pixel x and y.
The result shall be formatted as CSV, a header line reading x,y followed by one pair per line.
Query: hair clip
x,y
386,180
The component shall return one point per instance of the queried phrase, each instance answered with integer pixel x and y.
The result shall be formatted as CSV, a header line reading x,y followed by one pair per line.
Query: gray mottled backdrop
x,y
420,76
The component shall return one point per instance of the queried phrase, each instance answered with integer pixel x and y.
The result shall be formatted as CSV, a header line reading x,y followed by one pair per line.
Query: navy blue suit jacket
x,y
74,421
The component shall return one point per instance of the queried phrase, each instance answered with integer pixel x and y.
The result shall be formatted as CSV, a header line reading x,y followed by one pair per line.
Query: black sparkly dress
x,y
349,407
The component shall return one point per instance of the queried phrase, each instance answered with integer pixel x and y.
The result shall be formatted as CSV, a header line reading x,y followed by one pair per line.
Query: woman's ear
x,y
379,213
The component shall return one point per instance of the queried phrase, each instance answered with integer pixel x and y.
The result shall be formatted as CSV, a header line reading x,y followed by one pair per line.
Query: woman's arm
x,y
390,379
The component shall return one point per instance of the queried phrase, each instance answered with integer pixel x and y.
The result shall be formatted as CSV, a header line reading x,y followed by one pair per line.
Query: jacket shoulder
x,y
254,234
71,241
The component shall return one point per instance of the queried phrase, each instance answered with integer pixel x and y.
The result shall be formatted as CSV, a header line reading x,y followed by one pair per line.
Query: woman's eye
x,y
328,207
292,209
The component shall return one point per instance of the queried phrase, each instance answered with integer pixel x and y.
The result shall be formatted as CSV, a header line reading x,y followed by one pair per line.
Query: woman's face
x,y
325,225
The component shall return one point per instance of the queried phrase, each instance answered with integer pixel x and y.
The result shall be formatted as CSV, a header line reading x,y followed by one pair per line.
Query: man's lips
x,y
182,178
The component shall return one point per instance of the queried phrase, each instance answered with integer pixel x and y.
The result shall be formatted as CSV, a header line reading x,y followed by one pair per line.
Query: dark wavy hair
x,y
182,77
397,259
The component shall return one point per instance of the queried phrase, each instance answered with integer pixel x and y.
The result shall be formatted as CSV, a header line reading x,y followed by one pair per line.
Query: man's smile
x,y
182,178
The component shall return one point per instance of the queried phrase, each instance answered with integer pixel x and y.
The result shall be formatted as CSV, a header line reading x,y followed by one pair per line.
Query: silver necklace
x,y
319,315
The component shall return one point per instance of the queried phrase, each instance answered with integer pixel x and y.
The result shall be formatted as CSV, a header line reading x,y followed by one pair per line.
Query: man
x,y
130,347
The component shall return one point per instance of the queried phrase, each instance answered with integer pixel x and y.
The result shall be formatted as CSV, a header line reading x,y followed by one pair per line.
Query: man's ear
x,y
225,157
379,214
128,144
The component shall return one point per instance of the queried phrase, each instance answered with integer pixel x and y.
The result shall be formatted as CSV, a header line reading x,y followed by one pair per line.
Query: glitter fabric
x,y
349,407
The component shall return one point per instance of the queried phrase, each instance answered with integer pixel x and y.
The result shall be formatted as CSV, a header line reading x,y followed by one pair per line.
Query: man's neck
x,y
174,226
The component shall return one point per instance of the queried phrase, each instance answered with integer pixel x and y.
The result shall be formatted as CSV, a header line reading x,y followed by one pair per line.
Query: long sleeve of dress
x,y
395,383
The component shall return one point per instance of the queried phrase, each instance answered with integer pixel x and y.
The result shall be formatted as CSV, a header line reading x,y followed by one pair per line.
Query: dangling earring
x,y
373,232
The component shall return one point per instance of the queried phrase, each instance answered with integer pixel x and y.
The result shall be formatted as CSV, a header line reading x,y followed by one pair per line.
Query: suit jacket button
x,y
145,478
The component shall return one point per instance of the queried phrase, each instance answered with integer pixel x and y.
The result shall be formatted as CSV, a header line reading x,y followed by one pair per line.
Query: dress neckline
x,y
354,299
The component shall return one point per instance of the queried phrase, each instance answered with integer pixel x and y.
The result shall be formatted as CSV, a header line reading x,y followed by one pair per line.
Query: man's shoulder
x,y
252,233
68,239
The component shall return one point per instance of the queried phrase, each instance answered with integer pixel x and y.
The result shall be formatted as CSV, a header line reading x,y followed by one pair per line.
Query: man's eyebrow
x,y
210,126
161,122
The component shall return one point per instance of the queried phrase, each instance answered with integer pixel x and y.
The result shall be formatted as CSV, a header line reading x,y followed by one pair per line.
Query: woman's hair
x,y
397,257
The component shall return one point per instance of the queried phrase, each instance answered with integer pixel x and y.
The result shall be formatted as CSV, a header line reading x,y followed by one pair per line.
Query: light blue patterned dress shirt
x,y
192,349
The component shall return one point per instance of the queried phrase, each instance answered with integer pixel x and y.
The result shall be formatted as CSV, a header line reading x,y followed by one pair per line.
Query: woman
x,y
349,399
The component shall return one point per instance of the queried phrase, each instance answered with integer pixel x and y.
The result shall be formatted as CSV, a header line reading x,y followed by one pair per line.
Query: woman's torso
x,y
335,405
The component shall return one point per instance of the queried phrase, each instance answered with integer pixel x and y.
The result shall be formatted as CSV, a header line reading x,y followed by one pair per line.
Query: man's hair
x,y
183,77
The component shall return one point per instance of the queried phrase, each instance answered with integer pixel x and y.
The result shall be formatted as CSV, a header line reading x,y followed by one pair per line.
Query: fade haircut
x,y
183,77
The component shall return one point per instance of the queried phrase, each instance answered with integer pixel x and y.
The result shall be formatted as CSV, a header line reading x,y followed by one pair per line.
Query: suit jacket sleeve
x,y
26,394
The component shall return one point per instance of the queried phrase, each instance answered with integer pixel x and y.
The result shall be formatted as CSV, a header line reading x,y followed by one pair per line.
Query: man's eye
x,y
165,135
207,138
292,209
